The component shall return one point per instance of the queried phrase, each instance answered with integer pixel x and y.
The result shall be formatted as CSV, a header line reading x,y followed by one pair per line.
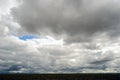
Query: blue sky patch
x,y
27,37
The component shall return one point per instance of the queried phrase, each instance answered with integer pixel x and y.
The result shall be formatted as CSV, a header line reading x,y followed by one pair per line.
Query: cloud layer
x,y
91,27
31,57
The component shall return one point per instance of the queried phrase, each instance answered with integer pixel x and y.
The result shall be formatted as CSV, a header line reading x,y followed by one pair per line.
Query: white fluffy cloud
x,y
7,24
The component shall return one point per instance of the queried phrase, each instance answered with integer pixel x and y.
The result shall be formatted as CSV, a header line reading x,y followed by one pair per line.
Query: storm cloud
x,y
74,21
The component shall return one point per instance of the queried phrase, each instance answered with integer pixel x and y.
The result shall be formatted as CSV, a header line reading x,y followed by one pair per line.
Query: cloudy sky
x,y
59,36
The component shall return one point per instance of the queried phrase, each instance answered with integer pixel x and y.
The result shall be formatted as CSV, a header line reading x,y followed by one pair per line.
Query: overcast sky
x,y
51,36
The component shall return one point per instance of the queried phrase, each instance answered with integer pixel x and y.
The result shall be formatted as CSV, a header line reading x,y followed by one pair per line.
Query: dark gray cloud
x,y
72,20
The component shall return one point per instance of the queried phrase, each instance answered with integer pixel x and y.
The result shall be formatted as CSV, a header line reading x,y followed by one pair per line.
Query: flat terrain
x,y
80,76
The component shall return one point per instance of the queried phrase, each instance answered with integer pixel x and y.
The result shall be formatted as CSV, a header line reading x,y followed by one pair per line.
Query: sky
x,y
59,36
